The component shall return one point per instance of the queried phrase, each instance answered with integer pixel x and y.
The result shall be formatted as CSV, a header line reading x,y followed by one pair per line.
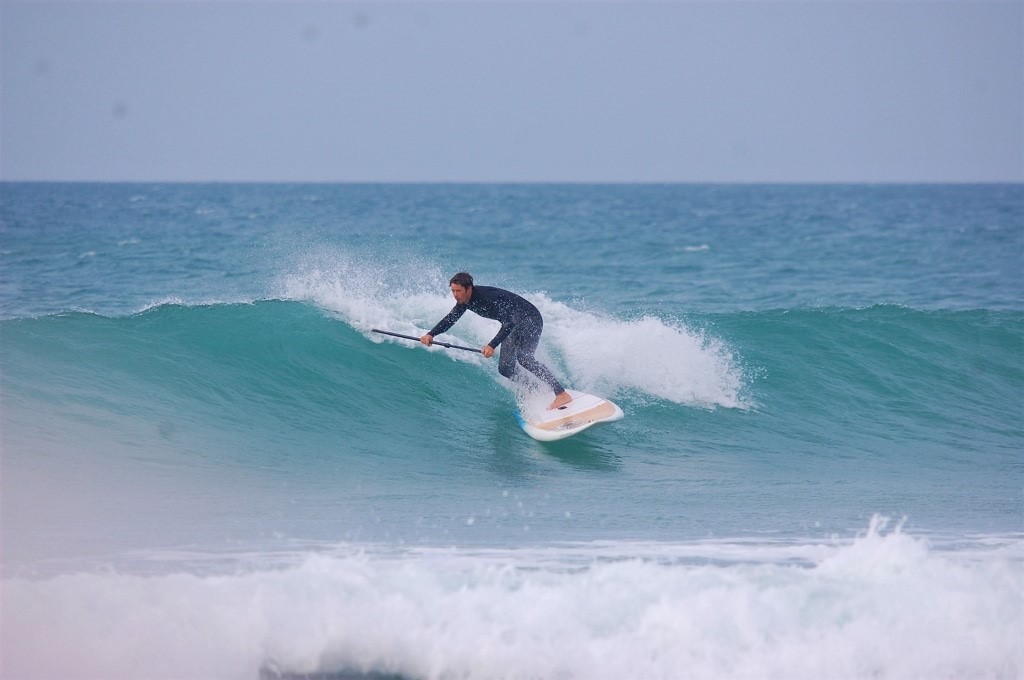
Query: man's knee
x,y
507,369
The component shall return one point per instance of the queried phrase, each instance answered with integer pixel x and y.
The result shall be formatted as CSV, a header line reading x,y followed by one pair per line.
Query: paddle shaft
x,y
447,345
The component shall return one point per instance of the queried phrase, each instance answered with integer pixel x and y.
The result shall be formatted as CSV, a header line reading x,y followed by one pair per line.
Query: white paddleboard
x,y
582,412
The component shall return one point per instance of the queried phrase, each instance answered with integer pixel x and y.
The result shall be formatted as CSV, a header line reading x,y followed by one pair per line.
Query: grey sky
x,y
808,91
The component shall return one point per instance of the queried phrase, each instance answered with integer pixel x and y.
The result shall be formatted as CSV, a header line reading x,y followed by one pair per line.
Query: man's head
x,y
462,287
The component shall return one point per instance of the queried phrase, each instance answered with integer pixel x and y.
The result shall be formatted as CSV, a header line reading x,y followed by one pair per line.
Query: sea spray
x,y
647,355
598,352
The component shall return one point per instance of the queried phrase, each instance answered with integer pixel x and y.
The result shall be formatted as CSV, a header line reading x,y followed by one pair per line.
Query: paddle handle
x,y
447,345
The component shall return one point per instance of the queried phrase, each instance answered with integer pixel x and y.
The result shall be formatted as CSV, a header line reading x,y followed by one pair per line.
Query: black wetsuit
x,y
521,326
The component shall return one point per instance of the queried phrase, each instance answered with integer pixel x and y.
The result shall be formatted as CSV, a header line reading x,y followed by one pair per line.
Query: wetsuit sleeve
x,y
449,320
506,328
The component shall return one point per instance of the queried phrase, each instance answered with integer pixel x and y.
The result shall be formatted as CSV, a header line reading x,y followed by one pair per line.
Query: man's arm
x,y
503,332
448,321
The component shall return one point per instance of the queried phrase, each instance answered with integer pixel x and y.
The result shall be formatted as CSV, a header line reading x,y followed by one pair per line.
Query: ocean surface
x,y
212,468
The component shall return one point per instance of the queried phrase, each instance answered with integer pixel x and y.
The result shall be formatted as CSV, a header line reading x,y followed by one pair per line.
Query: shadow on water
x,y
584,450
516,456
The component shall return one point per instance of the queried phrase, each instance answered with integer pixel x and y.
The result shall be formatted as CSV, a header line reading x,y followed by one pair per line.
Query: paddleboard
x,y
585,410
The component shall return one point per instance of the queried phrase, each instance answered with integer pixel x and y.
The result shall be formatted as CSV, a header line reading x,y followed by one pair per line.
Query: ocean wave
x,y
300,362
595,351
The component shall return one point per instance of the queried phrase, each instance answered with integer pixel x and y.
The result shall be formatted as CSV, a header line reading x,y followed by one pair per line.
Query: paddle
x,y
447,345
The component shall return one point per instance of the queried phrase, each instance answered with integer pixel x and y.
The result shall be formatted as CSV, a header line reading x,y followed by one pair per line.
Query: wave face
x,y
212,467
835,403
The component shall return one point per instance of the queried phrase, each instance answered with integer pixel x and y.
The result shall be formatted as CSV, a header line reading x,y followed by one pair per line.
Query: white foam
x,y
670,361
177,301
594,352
885,605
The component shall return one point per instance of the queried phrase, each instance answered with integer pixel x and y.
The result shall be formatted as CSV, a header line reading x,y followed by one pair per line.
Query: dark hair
x,y
463,279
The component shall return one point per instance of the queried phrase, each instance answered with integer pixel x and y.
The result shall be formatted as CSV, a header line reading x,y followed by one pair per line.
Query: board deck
x,y
584,411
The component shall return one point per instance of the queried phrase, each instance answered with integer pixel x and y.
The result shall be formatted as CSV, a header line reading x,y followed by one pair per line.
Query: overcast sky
x,y
673,91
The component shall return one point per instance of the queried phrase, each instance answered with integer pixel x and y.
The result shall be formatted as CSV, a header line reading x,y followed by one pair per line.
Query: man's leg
x,y
525,345
507,357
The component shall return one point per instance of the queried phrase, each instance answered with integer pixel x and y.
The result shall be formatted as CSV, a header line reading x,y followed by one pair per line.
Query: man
x,y
521,325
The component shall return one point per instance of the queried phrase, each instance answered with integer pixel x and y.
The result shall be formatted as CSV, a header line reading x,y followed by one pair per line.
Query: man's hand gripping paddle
x,y
446,345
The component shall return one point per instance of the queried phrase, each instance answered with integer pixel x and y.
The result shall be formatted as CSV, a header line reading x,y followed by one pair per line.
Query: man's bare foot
x,y
561,400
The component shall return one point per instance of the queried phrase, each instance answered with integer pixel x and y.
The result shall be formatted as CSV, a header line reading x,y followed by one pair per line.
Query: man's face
x,y
461,294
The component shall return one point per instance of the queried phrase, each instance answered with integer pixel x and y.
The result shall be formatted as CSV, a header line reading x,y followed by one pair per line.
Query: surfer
x,y
521,326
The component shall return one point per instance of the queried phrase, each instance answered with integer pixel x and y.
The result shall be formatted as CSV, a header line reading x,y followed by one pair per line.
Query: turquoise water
x,y
195,411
